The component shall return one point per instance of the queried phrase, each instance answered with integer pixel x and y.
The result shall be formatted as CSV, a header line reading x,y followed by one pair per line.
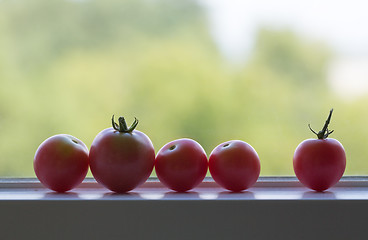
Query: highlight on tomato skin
x,y
121,158
234,165
181,164
61,162
320,163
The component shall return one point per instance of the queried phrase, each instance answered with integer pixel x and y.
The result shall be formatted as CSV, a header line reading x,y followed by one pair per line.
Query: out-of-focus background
x,y
210,70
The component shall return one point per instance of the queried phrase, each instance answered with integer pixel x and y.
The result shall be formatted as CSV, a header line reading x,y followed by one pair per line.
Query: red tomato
x,y
181,164
61,162
234,165
320,163
121,158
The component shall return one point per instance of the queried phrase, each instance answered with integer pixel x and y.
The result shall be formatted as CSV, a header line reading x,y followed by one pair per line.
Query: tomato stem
x,y
324,133
122,126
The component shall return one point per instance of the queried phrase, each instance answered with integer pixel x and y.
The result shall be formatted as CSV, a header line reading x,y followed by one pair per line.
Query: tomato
x,y
181,164
61,162
234,165
121,158
320,163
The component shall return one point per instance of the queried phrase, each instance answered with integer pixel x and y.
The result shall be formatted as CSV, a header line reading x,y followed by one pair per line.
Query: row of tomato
x,y
121,158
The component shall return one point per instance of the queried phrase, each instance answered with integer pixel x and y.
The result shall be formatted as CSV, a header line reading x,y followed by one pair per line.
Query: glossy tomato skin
x,y
61,162
319,163
121,161
181,164
234,165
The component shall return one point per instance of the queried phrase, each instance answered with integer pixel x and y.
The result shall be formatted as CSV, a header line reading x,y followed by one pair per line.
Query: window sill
x,y
267,188
275,208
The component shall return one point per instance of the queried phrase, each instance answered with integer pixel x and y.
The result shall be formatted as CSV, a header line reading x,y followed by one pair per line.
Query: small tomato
x,y
320,163
61,162
121,158
181,164
234,165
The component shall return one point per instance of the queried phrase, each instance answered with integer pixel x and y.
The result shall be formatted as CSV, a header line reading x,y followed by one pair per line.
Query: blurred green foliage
x,y
67,66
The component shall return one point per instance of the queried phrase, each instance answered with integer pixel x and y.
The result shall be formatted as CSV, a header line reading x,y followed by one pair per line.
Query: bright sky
x,y
341,23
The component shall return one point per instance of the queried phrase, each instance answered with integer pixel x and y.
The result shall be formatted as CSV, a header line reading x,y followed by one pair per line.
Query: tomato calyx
x,y
122,126
324,133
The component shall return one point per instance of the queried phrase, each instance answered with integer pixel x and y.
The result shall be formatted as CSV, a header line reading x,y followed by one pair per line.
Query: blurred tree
x,y
288,56
67,66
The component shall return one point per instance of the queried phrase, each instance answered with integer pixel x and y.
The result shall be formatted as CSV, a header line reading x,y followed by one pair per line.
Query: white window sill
x,y
275,208
267,188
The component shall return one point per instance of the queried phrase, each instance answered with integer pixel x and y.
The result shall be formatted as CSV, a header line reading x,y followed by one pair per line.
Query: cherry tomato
x,y
121,158
61,162
181,164
320,163
234,165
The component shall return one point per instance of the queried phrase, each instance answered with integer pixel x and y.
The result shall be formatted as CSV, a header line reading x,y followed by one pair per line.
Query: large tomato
x,y
234,165
61,162
121,158
320,163
181,164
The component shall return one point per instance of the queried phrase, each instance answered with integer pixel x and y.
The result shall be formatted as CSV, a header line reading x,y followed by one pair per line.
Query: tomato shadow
x,y
236,195
181,195
318,195
121,196
61,196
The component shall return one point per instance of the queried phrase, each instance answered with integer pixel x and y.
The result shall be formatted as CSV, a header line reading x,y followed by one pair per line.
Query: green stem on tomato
x,y
324,133
122,126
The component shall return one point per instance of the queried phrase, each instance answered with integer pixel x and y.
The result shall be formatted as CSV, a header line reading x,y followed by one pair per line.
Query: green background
x,y
68,66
